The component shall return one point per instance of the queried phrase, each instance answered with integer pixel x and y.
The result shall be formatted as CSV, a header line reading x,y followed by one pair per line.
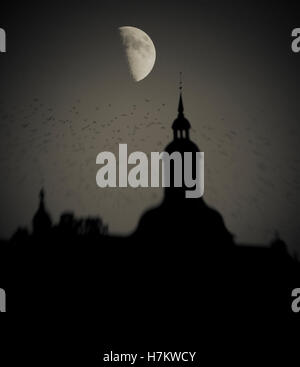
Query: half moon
x,y
140,51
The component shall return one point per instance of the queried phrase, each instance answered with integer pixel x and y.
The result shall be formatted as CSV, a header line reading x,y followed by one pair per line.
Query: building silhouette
x,y
181,143
178,218
41,222
182,245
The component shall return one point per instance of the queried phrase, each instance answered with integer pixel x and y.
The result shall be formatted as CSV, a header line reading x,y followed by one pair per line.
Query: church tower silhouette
x,y
41,221
181,125
179,219
181,143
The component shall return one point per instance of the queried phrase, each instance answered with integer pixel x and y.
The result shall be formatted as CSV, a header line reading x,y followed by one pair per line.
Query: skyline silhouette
x,y
89,270
87,102
180,242
173,197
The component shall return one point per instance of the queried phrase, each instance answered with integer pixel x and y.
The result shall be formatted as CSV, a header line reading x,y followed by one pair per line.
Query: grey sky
x,y
66,95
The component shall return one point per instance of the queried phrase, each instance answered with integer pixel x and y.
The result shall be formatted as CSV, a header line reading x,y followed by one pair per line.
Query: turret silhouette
x,y
181,143
181,125
41,221
179,218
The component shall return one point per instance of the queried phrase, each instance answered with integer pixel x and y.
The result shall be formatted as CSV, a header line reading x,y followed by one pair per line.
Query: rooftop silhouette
x,y
180,243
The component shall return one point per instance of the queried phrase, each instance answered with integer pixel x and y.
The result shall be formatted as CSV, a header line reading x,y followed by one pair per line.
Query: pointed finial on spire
x,y
42,194
180,81
180,105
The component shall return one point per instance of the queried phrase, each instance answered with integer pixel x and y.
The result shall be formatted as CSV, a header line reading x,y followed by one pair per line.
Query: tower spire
x,y
180,104
41,220
180,81
181,125
42,194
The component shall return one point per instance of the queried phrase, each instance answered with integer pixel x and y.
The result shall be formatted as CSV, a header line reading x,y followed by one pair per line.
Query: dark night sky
x,y
66,95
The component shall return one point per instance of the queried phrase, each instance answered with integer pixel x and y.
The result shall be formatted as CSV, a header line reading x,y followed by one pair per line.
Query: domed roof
x,y
181,142
182,145
181,123
41,217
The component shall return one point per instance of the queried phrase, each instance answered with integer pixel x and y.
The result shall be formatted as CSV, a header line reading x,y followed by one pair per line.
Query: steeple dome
x,y
181,143
181,125
41,221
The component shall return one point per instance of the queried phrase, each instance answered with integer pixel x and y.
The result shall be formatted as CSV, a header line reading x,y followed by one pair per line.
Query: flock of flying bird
x,y
38,142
